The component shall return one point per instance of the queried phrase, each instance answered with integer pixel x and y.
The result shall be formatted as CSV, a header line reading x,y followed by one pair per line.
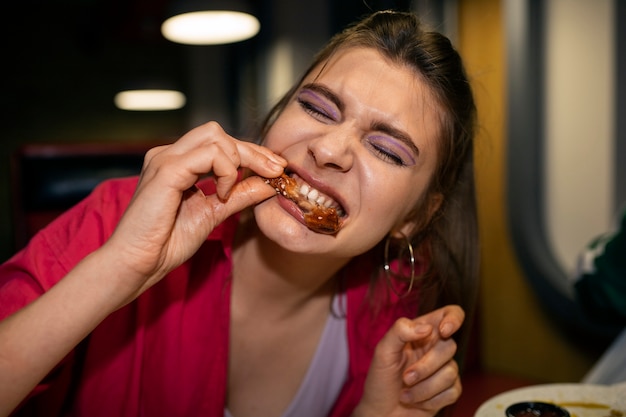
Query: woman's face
x,y
363,132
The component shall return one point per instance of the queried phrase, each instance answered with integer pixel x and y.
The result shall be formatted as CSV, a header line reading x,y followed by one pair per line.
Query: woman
x,y
132,310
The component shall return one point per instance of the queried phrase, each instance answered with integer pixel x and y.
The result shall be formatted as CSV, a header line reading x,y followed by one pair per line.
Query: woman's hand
x,y
169,218
413,372
164,224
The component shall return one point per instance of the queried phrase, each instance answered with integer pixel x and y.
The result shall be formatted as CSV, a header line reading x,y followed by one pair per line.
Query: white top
x,y
328,370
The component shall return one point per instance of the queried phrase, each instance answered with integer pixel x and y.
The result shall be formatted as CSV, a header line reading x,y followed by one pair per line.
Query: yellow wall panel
x,y
517,337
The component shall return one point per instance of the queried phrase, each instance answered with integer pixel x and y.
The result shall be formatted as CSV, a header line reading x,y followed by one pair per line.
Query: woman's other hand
x,y
169,218
413,372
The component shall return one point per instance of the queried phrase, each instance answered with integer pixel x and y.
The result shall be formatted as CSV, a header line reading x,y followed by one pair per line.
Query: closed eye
x,y
396,142
314,110
392,149
320,102
387,155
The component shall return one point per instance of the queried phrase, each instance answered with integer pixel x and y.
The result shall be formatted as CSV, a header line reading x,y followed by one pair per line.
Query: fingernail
x,y
275,165
446,329
410,378
406,397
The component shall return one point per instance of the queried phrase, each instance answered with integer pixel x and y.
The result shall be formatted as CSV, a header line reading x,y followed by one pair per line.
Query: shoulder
x,y
60,245
102,208
86,226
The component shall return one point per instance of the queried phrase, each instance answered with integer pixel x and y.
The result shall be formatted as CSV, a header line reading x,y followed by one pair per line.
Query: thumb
x,y
404,331
250,191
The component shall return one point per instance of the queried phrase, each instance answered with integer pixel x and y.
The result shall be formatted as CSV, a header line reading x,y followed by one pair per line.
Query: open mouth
x,y
322,213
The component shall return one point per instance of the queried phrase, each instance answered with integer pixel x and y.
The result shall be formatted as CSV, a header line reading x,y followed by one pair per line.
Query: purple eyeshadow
x,y
321,102
397,148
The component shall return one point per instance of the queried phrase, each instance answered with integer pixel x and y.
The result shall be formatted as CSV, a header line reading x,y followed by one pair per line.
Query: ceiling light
x,y
149,99
210,22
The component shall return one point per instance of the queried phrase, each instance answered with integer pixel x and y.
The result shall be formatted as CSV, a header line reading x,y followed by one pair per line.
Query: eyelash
x,y
382,153
387,156
313,110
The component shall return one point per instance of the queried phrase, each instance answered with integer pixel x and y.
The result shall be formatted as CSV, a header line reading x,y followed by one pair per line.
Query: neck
x,y
265,274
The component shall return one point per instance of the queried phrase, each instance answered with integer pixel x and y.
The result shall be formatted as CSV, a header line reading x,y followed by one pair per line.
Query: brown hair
x,y
449,238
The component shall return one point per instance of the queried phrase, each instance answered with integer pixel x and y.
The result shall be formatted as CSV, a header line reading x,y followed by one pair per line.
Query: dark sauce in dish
x,y
536,409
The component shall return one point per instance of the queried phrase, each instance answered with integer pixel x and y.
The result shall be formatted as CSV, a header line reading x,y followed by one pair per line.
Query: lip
x,y
320,186
291,208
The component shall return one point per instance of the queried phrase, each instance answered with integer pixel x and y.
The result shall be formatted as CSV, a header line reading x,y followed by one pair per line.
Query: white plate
x,y
581,400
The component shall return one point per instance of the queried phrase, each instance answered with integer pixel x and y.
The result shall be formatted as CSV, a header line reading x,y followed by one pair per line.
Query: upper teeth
x,y
315,196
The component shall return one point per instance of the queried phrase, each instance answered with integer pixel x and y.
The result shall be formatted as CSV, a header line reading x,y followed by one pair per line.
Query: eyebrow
x,y
398,134
378,126
326,92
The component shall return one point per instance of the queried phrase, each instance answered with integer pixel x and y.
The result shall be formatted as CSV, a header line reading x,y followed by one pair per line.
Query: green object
x,y
601,285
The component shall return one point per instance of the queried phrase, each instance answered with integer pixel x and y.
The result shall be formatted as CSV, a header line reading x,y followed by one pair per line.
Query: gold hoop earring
x,y
387,266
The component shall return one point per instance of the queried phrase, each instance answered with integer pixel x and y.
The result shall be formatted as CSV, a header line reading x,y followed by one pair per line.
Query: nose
x,y
334,150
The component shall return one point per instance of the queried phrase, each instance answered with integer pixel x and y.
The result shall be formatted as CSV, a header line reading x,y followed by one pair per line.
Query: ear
x,y
415,224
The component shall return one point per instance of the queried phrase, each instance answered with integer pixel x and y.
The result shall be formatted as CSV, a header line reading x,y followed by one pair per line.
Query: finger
x,y
444,380
205,134
445,398
225,173
261,160
435,404
447,320
246,193
222,158
225,156
255,158
211,133
430,363
452,320
402,332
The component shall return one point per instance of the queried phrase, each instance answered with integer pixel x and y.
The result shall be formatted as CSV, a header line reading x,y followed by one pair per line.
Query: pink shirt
x,y
165,354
